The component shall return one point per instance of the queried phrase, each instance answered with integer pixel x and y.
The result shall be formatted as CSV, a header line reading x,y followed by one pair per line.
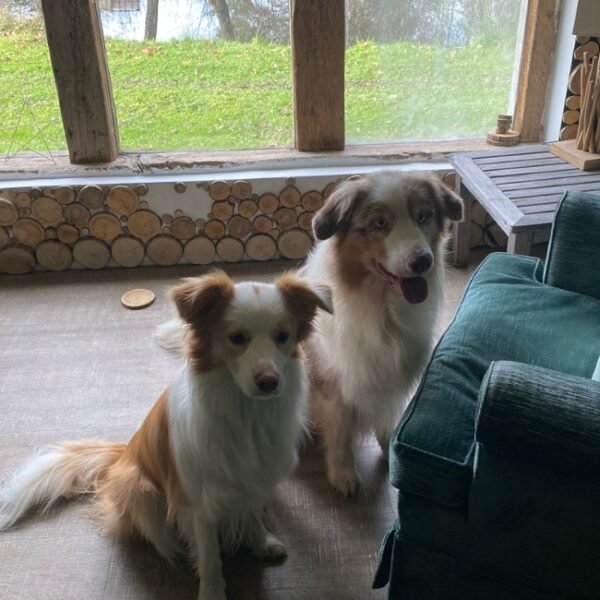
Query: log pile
x,y
94,226
588,133
573,126
579,142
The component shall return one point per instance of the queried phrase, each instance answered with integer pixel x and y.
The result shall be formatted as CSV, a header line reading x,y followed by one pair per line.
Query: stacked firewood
x,y
93,225
588,132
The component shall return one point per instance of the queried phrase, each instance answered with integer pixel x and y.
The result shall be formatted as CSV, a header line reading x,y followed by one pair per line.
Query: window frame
x,y
82,77
539,42
79,63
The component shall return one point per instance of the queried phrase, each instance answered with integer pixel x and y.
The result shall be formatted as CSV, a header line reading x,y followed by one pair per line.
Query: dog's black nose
x,y
420,263
266,381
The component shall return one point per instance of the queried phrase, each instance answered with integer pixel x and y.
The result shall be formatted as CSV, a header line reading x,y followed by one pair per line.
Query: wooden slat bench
x,y
519,187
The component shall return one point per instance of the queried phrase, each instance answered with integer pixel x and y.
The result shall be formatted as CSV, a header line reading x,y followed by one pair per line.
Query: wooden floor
x,y
75,364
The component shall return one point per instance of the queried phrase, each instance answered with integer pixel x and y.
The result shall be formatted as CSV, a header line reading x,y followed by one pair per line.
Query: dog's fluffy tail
x,y
68,469
171,336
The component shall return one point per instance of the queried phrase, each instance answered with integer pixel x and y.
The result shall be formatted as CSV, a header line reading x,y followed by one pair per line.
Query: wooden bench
x,y
519,187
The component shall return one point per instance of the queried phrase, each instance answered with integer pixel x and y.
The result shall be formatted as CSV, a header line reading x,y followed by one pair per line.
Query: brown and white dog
x,y
207,457
381,251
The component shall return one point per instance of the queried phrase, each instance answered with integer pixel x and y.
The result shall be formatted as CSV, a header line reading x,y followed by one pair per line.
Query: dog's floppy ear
x,y
452,204
303,298
200,299
336,215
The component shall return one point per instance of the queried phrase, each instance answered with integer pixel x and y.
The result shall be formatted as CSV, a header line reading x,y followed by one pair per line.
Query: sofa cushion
x,y
572,262
507,313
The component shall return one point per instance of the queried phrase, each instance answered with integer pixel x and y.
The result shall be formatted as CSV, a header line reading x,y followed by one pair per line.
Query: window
x,y
119,5
200,79
30,116
428,69
208,74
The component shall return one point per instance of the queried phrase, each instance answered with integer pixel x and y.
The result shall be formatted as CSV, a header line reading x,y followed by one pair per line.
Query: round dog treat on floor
x,y
139,298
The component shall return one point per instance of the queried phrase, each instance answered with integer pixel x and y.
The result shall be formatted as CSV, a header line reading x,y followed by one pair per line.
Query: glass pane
x,y
29,106
428,69
217,76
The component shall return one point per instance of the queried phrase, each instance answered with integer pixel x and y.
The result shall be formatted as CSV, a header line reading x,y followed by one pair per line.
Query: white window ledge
x,y
196,165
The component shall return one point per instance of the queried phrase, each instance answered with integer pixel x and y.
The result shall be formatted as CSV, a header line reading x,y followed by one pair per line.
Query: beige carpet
x,y
73,364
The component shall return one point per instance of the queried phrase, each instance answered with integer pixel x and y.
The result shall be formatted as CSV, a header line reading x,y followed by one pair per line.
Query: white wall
x,y
561,68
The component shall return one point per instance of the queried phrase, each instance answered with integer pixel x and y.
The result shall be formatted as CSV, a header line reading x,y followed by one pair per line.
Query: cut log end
x,y
22,200
219,190
289,197
247,208
53,255
127,251
28,232
294,243
144,224
262,224
285,218
222,210
122,200
105,226
230,249
261,247
17,259
67,234
164,250
64,195
199,251
183,228
239,227
47,210
268,204
91,196
8,212
91,253
77,214
312,201
241,190
214,229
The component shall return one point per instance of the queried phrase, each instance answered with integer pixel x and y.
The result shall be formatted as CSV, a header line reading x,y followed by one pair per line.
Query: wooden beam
x,y
78,58
318,46
534,74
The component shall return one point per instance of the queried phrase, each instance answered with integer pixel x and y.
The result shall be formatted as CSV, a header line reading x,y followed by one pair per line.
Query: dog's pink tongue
x,y
414,289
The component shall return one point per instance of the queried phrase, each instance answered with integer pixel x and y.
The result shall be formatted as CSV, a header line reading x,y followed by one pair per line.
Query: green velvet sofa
x,y
497,458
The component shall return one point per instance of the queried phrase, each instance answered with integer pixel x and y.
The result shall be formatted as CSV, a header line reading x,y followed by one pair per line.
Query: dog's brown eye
x,y
237,339
380,223
423,217
282,337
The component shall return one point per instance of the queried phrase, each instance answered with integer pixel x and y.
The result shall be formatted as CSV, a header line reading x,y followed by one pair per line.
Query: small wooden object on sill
x,y
503,135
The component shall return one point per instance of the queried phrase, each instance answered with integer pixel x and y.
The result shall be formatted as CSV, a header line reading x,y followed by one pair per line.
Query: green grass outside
x,y
216,94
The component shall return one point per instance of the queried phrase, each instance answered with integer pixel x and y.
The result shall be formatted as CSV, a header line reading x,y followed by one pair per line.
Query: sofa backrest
x,y
573,258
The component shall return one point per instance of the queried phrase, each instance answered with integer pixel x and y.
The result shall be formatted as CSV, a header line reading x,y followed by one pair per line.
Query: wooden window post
x,y
318,46
78,60
536,64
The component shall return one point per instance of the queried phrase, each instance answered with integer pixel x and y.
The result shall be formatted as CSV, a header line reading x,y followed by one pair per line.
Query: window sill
x,y
28,166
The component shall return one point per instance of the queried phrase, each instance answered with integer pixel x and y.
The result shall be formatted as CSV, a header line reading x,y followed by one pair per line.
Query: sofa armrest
x,y
540,414
573,258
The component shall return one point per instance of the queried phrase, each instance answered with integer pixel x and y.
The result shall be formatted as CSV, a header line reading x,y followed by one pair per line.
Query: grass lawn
x,y
215,94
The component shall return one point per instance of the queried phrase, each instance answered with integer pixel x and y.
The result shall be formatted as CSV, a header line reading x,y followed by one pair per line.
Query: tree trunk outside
x,y
222,11
151,20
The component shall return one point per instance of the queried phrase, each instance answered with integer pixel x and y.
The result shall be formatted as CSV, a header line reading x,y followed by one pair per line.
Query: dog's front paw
x,y
345,480
271,549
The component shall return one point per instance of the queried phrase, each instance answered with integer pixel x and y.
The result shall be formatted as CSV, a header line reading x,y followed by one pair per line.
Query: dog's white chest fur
x,y
231,450
374,346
